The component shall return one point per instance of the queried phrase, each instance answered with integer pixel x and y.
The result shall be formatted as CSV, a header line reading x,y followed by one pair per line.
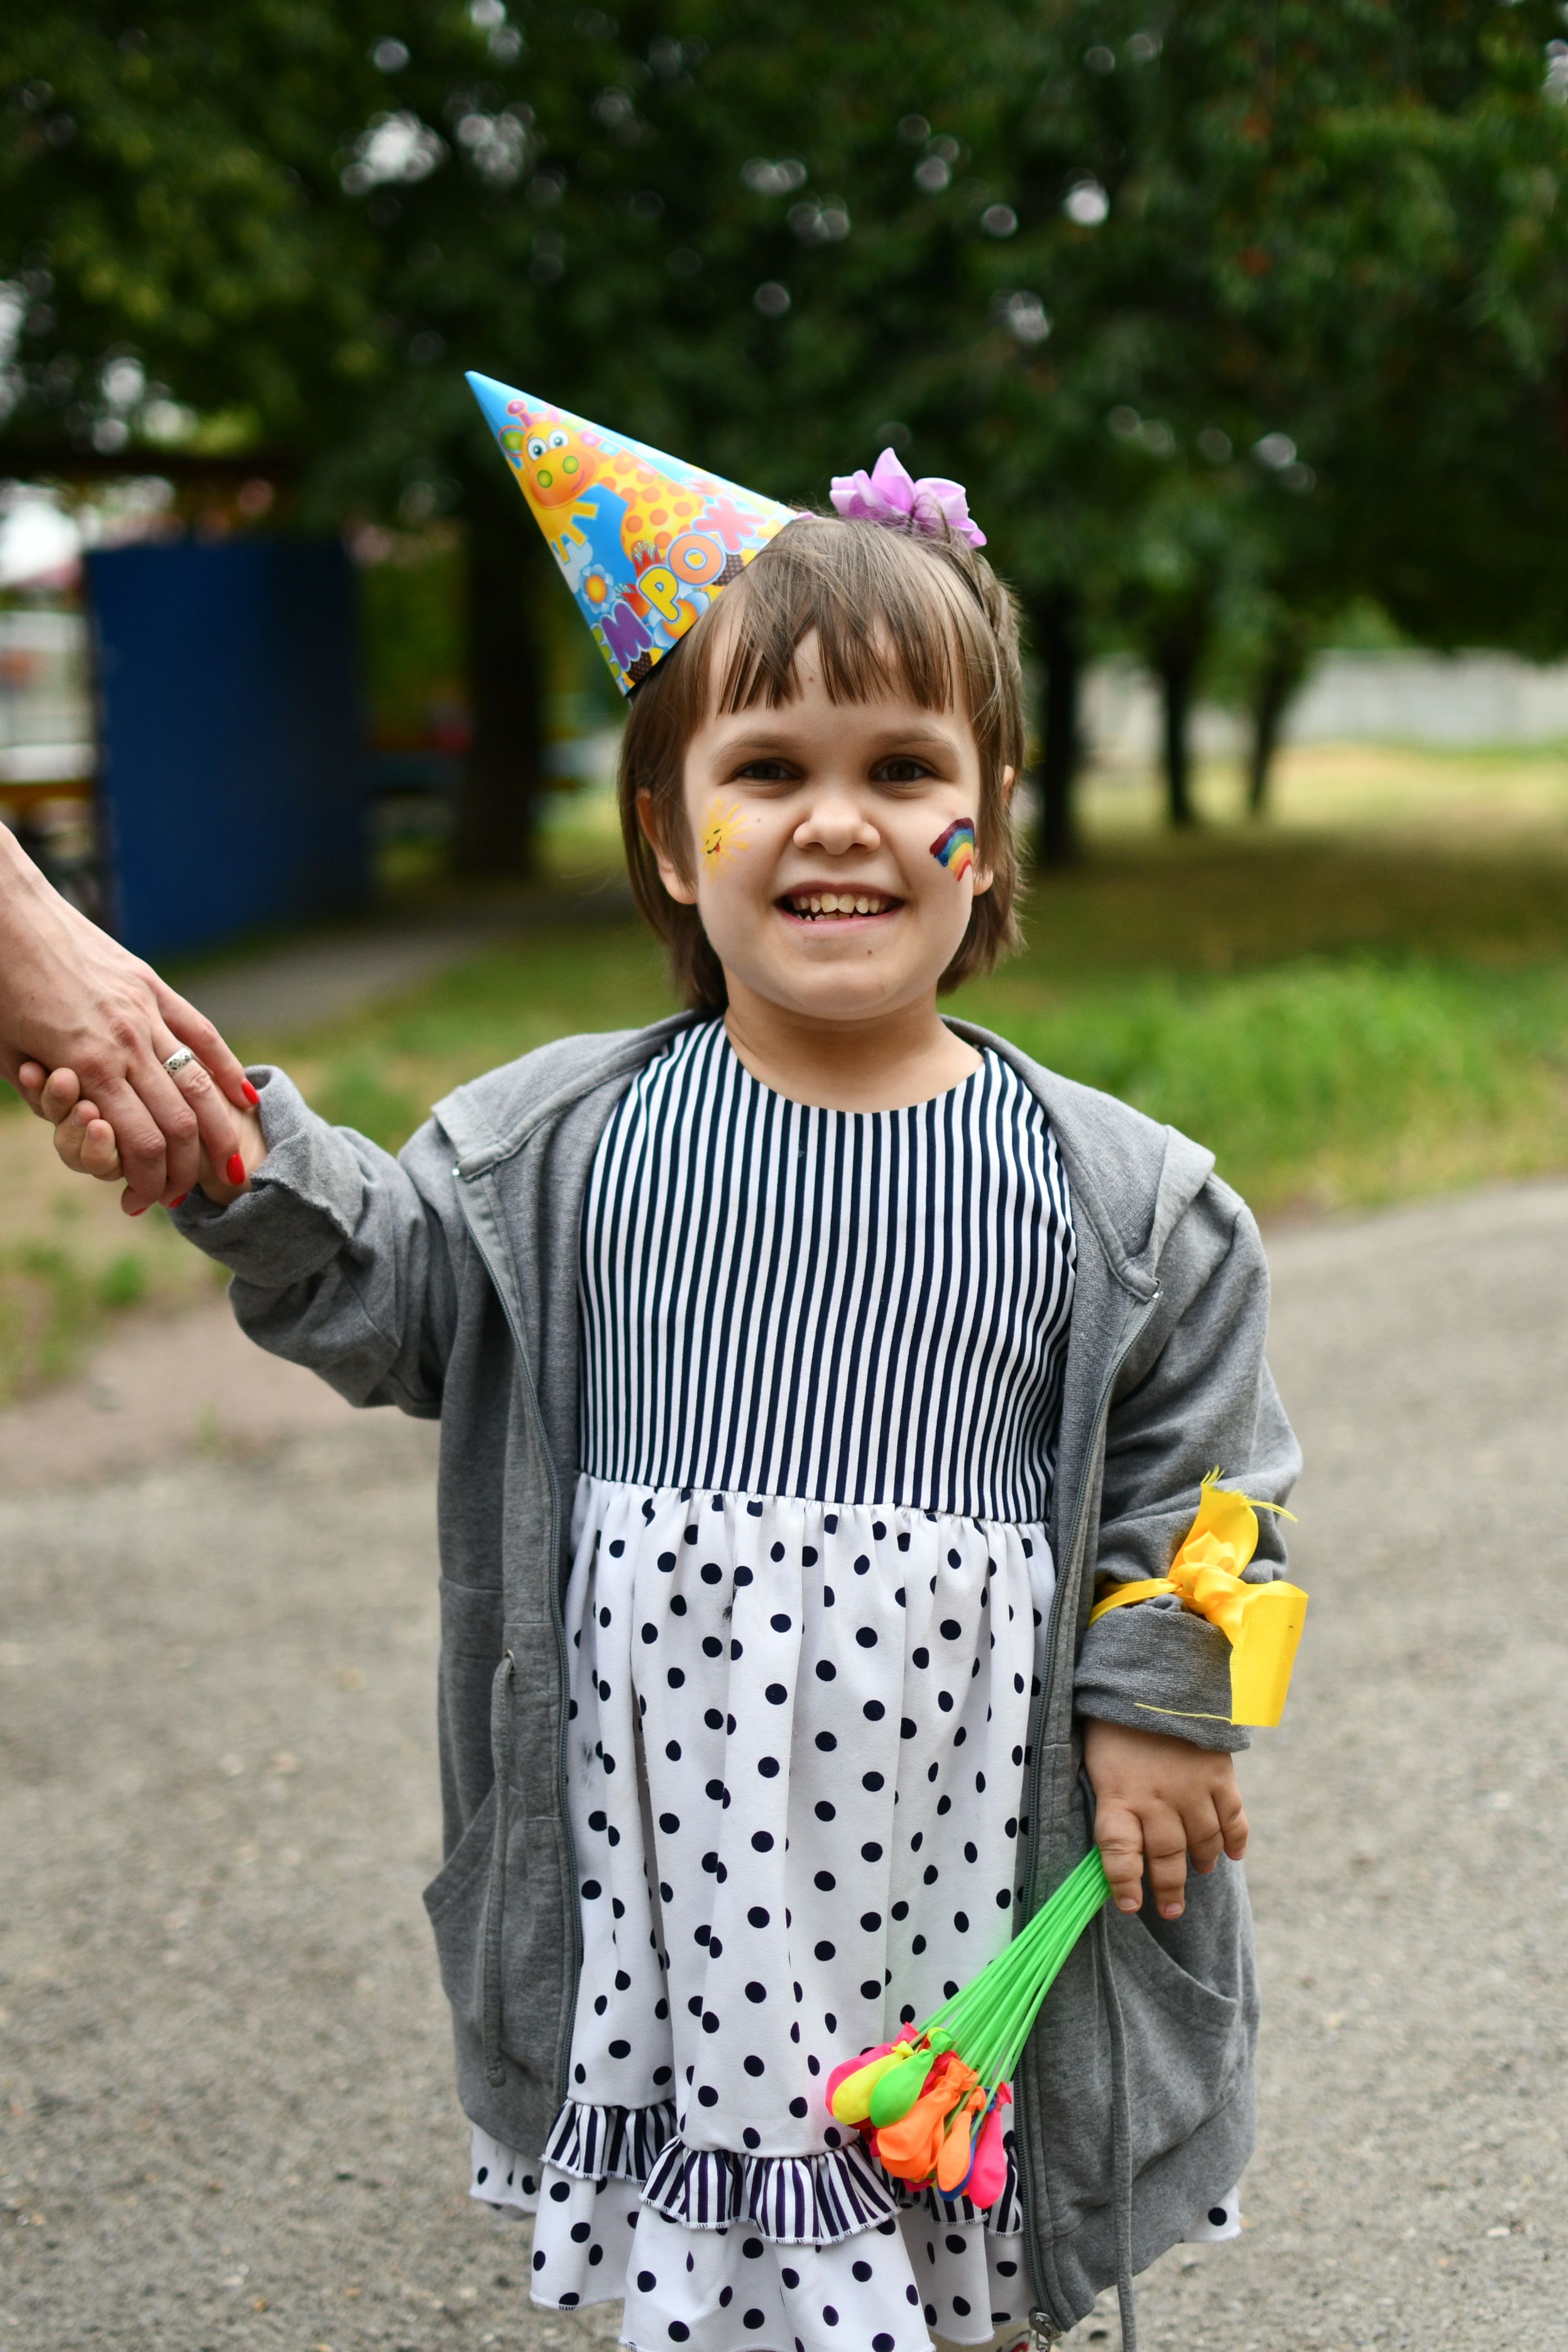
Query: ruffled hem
x,y
1003,2219
793,2200
502,2180
610,2142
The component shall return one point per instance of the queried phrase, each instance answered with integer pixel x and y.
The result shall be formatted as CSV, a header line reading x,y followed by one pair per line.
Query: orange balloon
x,y
956,2150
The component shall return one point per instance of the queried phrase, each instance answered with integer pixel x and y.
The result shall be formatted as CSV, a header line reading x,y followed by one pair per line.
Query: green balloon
x,y
896,2091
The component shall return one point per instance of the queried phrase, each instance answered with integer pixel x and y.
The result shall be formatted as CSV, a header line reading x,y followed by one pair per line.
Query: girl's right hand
x,y
86,1143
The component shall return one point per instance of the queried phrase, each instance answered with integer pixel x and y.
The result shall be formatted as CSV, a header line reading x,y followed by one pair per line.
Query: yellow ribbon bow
x,y
1262,1622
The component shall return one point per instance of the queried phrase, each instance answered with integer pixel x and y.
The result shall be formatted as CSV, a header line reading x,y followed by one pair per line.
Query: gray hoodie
x,y
445,1282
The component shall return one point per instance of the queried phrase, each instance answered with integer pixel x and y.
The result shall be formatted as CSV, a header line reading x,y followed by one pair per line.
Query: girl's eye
x,y
765,771
900,772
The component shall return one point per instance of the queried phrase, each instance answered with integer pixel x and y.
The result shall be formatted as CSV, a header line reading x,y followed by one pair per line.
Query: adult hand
x,y
71,997
1156,1800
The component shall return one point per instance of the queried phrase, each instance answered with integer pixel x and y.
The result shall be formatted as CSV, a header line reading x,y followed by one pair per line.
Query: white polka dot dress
x,y
809,1587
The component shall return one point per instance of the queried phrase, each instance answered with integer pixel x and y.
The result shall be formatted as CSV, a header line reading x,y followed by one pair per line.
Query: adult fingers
x,y
217,1131
1165,1856
29,1084
155,1127
193,1029
1119,1835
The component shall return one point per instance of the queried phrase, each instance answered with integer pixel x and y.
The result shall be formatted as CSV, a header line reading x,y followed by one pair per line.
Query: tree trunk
x,y
1177,653
1276,682
1054,618
498,796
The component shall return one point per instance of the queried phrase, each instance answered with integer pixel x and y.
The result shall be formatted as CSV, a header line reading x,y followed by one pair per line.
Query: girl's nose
x,y
836,824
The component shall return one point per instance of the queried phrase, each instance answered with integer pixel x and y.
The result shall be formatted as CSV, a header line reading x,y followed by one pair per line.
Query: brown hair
x,y
892,611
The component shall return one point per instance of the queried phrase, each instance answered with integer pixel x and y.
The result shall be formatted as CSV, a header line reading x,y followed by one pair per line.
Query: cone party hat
x,y
645,542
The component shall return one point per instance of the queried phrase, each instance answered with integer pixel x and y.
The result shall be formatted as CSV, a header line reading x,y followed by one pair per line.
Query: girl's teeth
x,y
838,902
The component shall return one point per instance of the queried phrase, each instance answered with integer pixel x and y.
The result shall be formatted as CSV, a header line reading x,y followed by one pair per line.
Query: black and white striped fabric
x,y
823,1357
849,1306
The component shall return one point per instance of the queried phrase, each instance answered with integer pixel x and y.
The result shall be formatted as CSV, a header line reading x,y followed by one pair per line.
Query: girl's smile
x,y
836,902
819,829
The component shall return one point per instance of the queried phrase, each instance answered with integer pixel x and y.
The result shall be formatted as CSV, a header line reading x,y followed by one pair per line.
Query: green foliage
x,y
1227,314
1323,1082
44,1309
412,621
123,1282
1337,1025
357,1096
54,1301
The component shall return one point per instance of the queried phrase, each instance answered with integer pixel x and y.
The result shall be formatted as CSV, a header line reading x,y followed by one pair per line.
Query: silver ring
x,y
178,1060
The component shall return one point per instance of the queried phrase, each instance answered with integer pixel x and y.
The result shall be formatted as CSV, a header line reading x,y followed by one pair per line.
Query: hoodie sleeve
x,y
1194,1395
344,1258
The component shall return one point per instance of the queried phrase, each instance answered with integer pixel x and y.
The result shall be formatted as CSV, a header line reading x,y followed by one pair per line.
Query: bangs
x,y
886,629
896,616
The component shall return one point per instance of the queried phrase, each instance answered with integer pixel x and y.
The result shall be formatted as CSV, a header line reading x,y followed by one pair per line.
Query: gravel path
x,y
226,2115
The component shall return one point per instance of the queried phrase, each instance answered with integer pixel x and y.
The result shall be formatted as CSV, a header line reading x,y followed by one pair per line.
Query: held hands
x,y
89,1147
1157,1801
72,999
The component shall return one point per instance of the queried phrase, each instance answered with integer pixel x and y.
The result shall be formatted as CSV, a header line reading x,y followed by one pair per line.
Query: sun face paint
x,y
954,847
722,833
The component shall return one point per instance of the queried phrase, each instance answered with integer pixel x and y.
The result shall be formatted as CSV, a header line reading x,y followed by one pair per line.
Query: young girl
x,y
803,1362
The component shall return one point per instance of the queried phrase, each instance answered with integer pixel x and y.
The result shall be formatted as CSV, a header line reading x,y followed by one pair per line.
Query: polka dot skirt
x,y
796,1774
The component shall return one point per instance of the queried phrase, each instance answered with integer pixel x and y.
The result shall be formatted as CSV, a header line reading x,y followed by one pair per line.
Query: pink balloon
x,y
988,2173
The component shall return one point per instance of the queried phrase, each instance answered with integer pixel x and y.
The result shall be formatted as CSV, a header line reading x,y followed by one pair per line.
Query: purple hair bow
x,y
887,494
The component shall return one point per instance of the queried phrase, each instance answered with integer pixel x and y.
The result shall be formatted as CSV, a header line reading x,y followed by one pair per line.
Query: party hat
x,y
645,542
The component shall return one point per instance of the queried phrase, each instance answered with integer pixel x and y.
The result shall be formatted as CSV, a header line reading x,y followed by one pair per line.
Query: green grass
x,y
380,1073
1344,1019
1340,1024
51,1306
1326,1084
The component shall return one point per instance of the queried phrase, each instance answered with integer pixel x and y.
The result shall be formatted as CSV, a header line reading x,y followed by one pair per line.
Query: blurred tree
x,y
1299,268
1221,311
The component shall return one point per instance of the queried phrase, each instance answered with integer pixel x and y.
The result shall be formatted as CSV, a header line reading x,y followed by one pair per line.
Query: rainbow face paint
x,y
722,833
954,848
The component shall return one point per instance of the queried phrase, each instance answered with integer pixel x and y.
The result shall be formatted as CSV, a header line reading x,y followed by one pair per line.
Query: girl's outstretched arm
x,y
343,1258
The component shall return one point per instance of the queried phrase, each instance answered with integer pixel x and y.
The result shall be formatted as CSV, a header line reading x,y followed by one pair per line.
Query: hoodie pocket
x,y
455,1900
1189,2039
501,1908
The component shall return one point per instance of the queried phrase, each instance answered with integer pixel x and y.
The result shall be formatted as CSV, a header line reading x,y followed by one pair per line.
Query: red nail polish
x,y
234,1171
137,1212
180,1201
251,1096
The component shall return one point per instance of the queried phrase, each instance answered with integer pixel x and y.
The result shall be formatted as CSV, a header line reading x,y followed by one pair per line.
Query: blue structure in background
x,y
233,776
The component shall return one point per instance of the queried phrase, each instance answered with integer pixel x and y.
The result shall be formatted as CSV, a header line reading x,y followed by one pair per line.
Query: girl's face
x,y
834,848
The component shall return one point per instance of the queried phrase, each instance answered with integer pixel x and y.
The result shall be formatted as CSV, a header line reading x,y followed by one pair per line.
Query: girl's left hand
x,y
1157,1801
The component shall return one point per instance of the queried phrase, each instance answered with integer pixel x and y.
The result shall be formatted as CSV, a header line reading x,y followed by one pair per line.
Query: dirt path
x,y
226,2113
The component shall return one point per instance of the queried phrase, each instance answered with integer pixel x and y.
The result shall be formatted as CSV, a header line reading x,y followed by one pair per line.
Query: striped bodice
x,y
864,1307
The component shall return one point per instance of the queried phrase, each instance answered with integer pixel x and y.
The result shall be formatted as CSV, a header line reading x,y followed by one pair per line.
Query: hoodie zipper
x,y
499,1283
1097,1432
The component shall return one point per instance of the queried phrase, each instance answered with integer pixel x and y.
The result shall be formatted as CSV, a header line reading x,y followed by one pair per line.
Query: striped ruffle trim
x,y
610,2142
1004,2219
793,2200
